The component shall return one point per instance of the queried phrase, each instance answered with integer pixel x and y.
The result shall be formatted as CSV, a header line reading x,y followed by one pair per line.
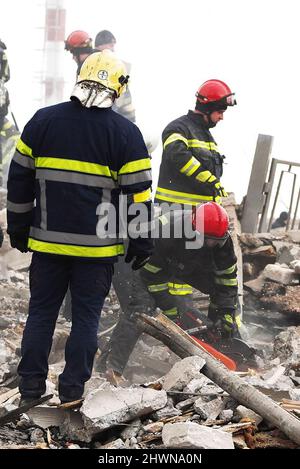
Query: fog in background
x,y
173,47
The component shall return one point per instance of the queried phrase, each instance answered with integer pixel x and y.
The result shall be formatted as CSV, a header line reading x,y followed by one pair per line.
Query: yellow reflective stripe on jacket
x,y
24,149
190,167
190,143
134,166
73,165
171,313
157,288
206,176
183,197
173,138
77,251
179,289
228,282
142,196
151,268
229,270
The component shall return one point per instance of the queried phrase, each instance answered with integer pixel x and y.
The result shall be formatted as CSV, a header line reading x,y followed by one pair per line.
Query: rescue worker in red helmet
x,y
191,165
79,44
203,256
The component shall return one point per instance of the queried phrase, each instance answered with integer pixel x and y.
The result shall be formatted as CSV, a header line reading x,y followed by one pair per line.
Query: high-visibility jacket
x,y
190,162
210,270
68,162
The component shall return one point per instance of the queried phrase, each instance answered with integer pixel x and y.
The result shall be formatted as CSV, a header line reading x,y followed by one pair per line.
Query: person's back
x,y
71,163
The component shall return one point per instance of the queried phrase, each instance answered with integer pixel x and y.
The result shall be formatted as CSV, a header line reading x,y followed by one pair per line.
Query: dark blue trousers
x,y
50,276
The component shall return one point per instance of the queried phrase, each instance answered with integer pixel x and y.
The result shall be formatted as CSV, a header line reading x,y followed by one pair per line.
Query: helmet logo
x,y
103,75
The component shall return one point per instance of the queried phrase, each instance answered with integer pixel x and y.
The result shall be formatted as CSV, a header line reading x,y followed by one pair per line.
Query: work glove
x,y
140,257
230,323
19,242
226,321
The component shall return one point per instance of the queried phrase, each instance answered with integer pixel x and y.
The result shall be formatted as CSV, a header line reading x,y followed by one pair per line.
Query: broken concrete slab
x,y
243,412
106,408
167,411
209,410
278,273
182,373
193,435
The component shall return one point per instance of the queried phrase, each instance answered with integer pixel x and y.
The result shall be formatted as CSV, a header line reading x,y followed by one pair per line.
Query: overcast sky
x,y
174,46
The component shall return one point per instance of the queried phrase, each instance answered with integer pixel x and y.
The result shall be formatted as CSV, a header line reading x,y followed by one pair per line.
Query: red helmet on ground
x,y
77,40
212,221
214,95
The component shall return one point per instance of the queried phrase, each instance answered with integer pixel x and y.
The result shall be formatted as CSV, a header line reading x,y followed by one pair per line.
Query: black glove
x,y
19,242
141,257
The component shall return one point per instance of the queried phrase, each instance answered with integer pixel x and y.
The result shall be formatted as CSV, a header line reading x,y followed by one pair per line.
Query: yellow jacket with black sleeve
x,y
70,162
191,165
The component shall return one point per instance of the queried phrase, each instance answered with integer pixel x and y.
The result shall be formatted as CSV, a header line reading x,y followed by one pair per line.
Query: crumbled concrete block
x,y
196,384
244,412
132,429
271,376
226,415
193,435
296,266
167,411
106,408
182,373
209,410
279,274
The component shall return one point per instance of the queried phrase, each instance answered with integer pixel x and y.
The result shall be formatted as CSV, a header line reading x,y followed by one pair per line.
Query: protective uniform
x,y
191,165
210,268
71,164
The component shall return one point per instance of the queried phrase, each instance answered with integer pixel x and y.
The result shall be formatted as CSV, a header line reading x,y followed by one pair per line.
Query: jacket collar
x,y
197,119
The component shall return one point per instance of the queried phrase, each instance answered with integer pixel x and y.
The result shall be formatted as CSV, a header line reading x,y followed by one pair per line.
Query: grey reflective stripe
x,y
134,178
43,204
23,160
76,178
71,238
181,197
19,208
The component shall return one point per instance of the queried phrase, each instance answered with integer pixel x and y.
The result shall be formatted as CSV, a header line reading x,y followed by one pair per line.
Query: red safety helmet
x,y
77,40
214,95
211,220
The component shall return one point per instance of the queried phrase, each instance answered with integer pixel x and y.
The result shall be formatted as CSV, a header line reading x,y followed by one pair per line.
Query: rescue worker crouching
x,y
210,267
73,158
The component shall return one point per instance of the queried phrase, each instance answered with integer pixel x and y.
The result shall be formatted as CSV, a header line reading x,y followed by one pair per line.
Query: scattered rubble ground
x,y
183,409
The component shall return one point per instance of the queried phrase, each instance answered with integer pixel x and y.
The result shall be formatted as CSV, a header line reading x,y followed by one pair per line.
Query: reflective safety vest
x,y
69,161
190,162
